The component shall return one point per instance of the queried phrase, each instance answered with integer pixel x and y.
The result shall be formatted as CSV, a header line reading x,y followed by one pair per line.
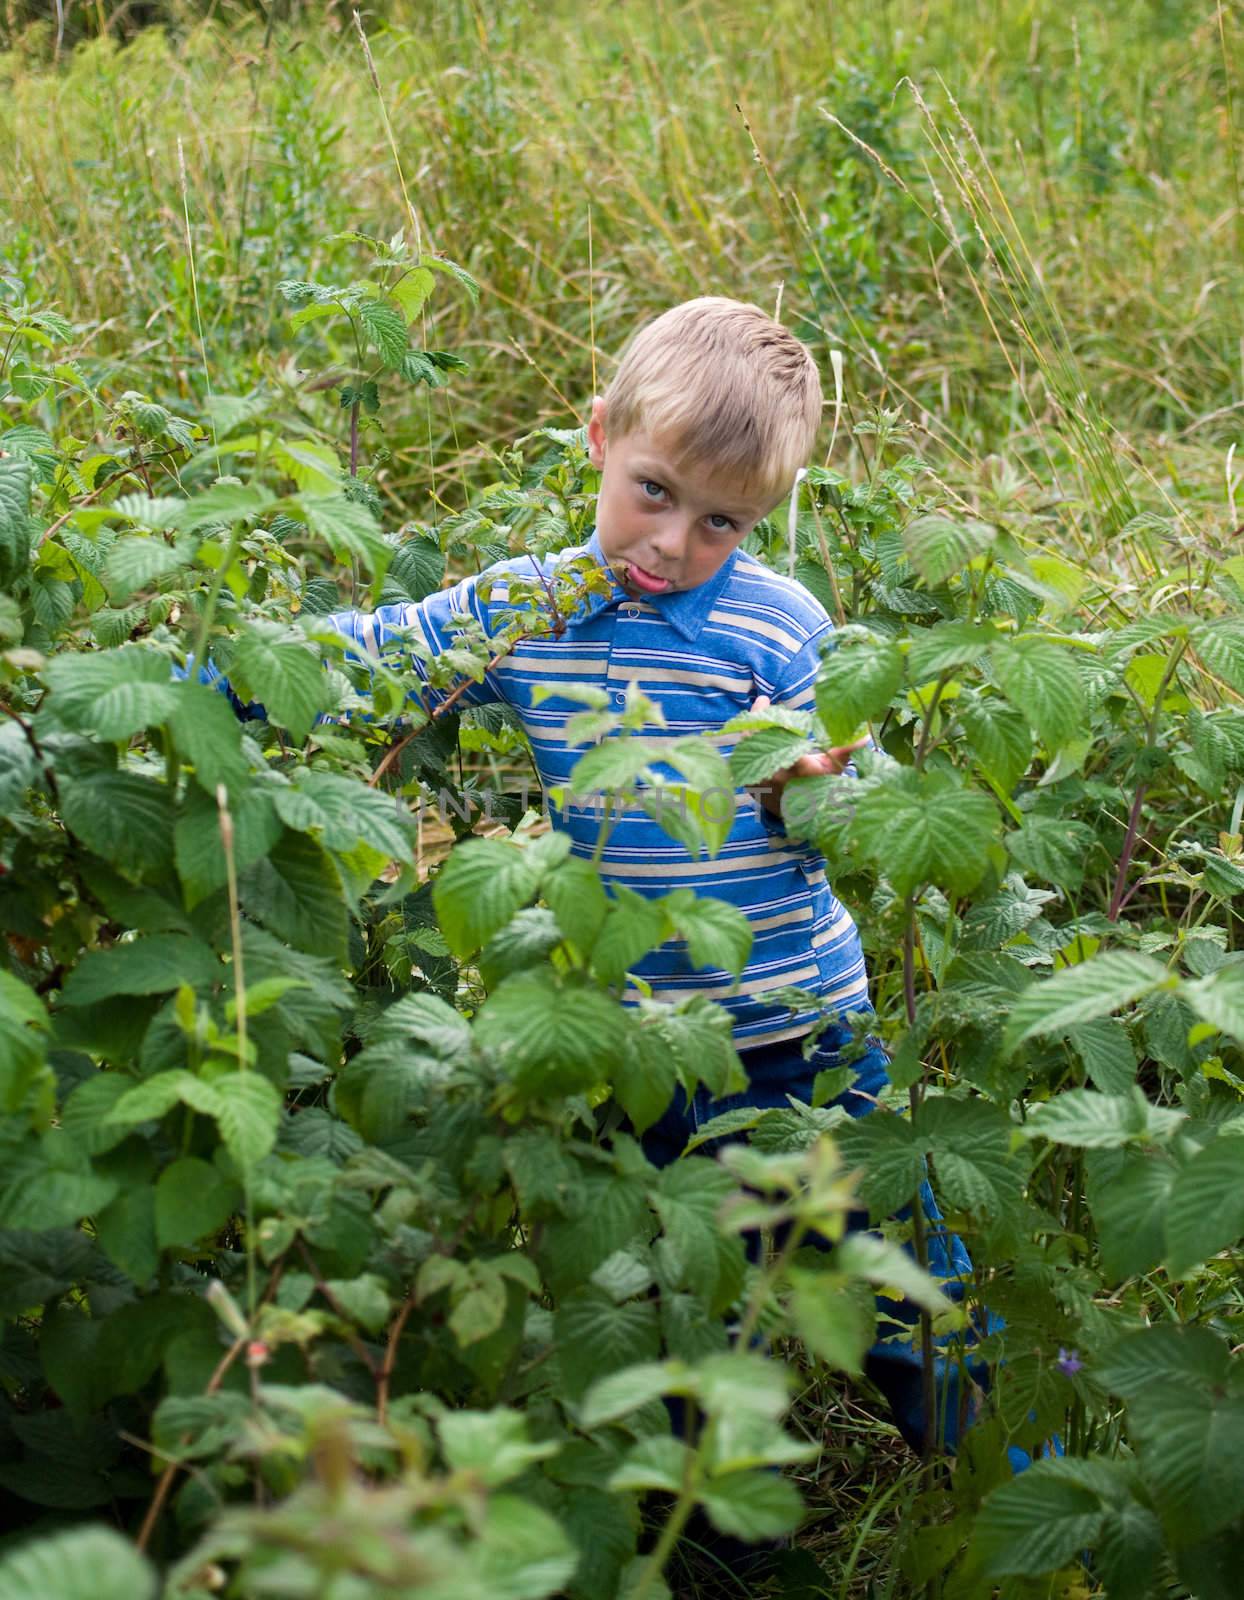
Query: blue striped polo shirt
x,y
702,656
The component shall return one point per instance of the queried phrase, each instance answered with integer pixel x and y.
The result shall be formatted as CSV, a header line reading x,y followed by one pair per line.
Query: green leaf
x,y
1083,992
1052,848
248,1115
344,812
1128,1193
193,1199
938,547
633,926
831,1321
551,1038
223,502
522,1553
125,1229
887,1150
1189,1445
124,818
1087,1120
14,517
23,1041
277,667
296,891
313,467
578,901
887,1265
349,529
688,1198
1105,1048
208,736
1206,1209
1041,679
113,693
656,1463
150,964
477,891
157,1095
717,933
85,1563
752,1505
493,1446
200,853
411,290
595,1337
386,328
998,736
760,755
138,562
1219,1000
620,1393
856,682
1220,645
925,827
645,1076
946,646
1040,1521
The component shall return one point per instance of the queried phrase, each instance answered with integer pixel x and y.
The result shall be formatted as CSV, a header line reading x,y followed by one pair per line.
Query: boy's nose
x,y
671,539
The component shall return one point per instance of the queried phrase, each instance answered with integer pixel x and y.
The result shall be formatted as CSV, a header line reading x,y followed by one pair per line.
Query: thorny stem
x,y
919,1235
385,1376
1119,896
162,1488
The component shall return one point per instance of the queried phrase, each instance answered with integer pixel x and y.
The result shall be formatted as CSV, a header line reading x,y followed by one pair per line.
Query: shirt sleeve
x,y
392,630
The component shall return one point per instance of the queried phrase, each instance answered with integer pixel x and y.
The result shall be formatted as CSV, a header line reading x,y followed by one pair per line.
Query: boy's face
x,y
663,528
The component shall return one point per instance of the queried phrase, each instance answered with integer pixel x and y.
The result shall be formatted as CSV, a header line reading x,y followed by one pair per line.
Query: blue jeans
x,y
774,1072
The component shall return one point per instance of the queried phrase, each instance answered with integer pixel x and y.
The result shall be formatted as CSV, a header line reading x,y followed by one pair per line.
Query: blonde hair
x,y
724,385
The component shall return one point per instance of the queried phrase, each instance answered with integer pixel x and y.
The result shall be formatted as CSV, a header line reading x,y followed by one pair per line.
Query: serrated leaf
x,y
1220,645
1205,1212
550,1038
248,1114
1039,1522
938,547
150,964
1040,678
275,666
112,693
925,827
349,529
1090,989
123,817
344,812
998,736
193,1199
856,681
595,1337
411,290
759,755
477,891
85,1563
1091,1121
223,502
717,933
386,328
752,1505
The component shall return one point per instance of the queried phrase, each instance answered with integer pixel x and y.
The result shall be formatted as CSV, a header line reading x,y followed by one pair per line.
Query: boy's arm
x,y
389,629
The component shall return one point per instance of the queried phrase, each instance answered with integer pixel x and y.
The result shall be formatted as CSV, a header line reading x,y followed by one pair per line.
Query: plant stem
x,y
213,596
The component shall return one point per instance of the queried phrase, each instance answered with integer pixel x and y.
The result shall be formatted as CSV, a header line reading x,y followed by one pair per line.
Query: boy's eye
x,y
721,524
656,490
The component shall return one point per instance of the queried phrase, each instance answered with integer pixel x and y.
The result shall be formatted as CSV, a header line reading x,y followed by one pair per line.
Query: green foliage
x,y
316,1174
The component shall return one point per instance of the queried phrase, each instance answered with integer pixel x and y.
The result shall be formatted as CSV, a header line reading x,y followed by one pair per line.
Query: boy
x,y
712,411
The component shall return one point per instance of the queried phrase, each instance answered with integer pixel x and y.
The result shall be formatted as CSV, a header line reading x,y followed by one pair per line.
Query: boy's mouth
x,y
647,581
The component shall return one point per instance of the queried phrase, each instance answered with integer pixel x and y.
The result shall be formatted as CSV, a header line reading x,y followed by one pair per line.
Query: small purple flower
x,y
1069,1362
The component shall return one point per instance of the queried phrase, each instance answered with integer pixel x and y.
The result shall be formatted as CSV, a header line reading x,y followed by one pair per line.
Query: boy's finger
x,y
761,703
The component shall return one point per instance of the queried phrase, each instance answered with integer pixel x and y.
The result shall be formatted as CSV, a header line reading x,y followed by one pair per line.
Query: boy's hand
x,y
830,762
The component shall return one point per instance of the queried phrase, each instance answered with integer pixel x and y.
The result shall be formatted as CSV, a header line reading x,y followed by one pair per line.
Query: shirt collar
x,y
686,610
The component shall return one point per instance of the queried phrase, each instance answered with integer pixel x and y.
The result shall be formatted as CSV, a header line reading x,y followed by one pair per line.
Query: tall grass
x,y
1019,220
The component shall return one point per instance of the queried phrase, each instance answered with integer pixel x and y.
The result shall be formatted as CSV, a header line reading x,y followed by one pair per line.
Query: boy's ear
x,y
596,434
